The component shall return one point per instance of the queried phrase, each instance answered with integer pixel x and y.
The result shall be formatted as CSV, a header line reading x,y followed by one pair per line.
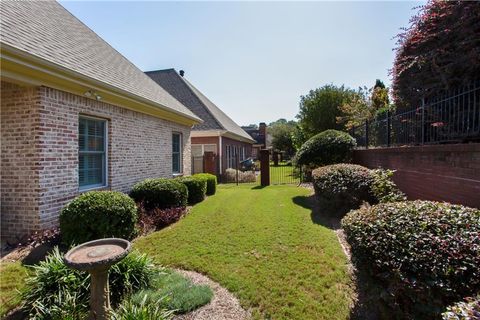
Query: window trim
x,y
106,150
180,159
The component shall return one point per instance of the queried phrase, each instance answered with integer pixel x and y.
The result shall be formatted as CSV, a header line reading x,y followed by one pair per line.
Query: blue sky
x,y
254,59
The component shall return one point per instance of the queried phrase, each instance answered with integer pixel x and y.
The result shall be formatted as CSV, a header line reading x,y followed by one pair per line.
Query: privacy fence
x,y
452,117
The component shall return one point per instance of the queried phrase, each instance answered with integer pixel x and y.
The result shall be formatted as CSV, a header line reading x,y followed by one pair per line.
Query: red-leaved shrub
x,y
156,219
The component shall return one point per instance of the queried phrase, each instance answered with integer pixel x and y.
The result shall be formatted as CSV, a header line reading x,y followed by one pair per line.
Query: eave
x,y
218,133
25,69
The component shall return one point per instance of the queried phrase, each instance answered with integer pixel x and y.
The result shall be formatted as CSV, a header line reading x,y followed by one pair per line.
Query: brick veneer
x,y
438,172
39,167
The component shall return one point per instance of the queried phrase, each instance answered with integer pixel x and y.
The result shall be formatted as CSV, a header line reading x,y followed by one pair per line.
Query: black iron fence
x,y
453,117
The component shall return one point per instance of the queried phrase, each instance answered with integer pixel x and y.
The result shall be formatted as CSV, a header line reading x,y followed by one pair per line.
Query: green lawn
x,y
12,279
261,244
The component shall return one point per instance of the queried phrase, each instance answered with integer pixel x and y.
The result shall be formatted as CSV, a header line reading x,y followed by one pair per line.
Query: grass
x,y
12,280
261,244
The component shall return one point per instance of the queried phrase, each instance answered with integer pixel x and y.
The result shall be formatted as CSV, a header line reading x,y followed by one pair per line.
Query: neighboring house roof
x,y
198,103
48,31
256,134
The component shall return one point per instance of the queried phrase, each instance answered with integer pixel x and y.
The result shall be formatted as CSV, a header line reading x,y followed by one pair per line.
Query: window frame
x,y
180,158
105,155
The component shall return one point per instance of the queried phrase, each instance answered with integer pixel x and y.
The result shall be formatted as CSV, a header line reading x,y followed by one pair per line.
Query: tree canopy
x,y
438,51
282,134
320,108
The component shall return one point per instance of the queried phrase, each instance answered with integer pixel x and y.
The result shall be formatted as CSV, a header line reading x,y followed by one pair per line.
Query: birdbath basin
x,y
96,257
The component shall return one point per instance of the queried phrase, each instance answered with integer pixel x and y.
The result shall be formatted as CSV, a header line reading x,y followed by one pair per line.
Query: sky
x,y
254,59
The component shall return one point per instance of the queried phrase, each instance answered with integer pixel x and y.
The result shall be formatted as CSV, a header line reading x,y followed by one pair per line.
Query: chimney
x,y
262,129
182,73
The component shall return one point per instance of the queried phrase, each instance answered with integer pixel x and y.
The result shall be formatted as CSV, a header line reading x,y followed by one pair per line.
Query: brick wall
x,y
441,172
139,147
19,158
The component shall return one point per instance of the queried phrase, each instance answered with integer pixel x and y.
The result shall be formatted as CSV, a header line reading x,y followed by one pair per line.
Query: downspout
x,y
220,152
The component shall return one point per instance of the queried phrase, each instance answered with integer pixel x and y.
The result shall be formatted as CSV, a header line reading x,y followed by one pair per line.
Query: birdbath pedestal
x,y
96,257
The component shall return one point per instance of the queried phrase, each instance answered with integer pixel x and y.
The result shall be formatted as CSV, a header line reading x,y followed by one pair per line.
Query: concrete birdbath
x,y
96,257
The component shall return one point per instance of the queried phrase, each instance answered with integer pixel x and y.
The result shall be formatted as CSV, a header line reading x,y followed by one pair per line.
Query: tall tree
x,y
366,104
320,108
282,134
438,51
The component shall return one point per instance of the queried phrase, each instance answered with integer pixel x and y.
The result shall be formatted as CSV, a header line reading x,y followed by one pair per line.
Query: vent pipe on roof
x,y
182,73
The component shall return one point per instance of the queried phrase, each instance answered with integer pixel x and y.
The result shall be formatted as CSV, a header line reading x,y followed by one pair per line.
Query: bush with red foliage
x,y
440,50
156,219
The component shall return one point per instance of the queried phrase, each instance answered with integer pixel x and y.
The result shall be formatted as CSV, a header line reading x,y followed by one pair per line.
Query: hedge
x,y
197,188
211,182
424,254
340,188
160,193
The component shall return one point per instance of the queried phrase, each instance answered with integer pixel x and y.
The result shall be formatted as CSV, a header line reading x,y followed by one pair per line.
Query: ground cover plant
x,y
340,188
160,193
425,255
55,291
262,245
172,291
98,214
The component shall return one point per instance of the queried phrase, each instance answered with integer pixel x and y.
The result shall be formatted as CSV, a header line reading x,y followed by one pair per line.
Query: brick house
x,y
218,135
75,116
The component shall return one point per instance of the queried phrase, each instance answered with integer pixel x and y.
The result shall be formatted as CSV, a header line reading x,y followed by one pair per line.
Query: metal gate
x,y
284,173
277,172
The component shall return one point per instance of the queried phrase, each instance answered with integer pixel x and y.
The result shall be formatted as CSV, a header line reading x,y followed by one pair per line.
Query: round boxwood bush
x,y
342,187
424,254
160,193
327,147
197,188
98,214
211,182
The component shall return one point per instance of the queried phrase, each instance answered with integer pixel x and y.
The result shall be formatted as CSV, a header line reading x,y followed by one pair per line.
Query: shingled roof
x,y
198,103
48,31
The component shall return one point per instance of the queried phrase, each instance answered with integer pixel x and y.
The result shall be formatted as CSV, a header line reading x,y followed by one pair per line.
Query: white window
x,y
176,152
92,152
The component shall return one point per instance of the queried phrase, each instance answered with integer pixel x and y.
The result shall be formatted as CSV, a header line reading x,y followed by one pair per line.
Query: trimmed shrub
x,y
424,254
98,214
55,291
197,188
160,193
340,188
230,175
327,147
211,182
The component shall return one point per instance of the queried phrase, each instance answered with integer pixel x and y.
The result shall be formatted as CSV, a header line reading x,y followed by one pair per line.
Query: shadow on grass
x,y
326,219
258,187
367,305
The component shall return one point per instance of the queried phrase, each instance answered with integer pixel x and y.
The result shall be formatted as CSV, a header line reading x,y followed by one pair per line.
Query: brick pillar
x,y
264,168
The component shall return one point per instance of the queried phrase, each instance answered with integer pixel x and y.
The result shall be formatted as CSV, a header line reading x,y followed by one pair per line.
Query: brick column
x,y
264,168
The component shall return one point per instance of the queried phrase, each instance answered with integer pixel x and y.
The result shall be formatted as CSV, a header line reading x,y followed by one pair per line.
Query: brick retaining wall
x,y
437,172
